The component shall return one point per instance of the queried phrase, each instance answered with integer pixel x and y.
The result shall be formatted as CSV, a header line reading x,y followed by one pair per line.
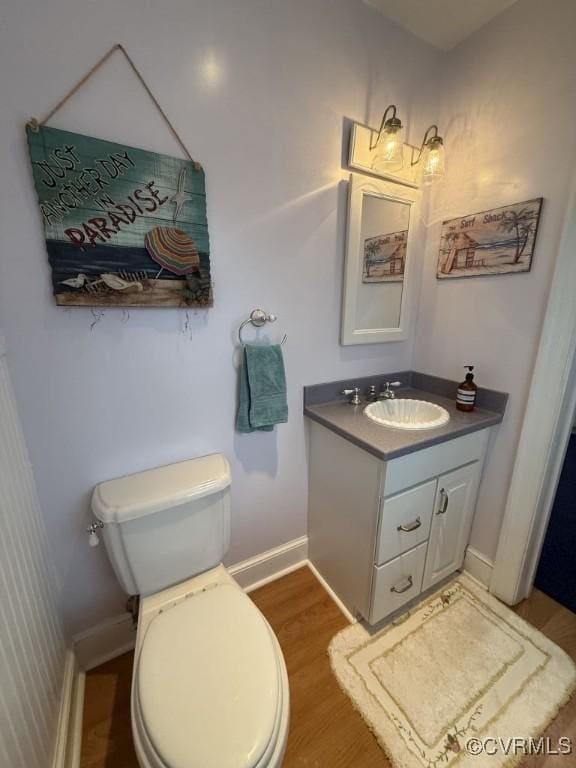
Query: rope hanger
x,y
34,124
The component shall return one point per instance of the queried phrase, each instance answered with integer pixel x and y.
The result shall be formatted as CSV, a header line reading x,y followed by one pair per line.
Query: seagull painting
x,y
118,283
180,198
76,282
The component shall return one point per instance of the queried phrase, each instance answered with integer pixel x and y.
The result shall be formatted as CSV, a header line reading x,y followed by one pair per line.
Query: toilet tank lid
x,y
133,496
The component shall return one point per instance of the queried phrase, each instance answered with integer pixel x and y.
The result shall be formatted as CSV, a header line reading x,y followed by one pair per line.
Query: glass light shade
x,y
432,162
389,151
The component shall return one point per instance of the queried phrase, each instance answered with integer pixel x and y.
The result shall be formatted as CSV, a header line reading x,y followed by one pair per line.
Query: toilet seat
x,y
209,688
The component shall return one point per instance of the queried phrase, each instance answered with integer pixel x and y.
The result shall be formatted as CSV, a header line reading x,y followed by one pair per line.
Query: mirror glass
x,y
382,260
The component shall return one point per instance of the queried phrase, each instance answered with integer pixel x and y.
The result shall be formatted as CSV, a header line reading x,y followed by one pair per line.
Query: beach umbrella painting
x,y
173,250
148,246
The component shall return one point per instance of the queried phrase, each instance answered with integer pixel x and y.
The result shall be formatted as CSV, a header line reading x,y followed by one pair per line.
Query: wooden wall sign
x,y
385,258
496,242
123,226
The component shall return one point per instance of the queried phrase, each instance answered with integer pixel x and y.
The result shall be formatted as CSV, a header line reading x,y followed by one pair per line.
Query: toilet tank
x,y
165,525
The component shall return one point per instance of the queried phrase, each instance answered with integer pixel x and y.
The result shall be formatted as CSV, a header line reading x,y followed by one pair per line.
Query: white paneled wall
x,y
32,649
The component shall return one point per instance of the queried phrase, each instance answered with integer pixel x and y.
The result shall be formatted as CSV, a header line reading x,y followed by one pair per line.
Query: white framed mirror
x,y
380,263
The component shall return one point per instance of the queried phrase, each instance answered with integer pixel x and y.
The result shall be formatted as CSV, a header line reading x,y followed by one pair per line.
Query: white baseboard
x,y
478,566
351,618
105,641
117,635
69,732
271,565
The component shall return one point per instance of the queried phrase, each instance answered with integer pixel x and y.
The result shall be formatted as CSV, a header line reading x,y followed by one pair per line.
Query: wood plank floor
x,y
325,730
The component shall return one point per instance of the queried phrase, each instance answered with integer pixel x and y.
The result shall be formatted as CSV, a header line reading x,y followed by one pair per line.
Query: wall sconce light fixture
x,y
389,144
431,155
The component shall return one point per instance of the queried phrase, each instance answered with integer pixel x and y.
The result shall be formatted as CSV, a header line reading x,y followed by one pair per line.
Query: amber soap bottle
x,y
466,397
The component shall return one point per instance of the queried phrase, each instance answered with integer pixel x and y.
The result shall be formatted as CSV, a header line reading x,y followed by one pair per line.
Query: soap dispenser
x,y
466,397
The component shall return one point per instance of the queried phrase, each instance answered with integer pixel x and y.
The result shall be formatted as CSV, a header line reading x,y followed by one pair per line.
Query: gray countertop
x,y
386,443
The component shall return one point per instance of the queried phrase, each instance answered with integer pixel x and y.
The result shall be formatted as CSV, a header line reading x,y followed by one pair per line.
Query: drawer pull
x,y
404,588
443,503
410,526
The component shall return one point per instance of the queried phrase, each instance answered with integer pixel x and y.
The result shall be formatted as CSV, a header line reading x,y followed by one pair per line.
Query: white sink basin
x,y
402,413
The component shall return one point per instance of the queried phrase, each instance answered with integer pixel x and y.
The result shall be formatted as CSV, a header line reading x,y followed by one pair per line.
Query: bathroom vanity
x,y
390,511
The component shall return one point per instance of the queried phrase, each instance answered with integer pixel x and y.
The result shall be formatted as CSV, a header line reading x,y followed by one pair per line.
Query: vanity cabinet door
x,y
451,521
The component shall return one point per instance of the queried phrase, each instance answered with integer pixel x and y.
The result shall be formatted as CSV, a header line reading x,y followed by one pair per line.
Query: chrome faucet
x,y
353,394
387,393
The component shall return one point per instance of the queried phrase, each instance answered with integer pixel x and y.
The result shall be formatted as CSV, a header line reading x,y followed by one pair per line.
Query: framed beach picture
x,y
496,242
124,227
385,258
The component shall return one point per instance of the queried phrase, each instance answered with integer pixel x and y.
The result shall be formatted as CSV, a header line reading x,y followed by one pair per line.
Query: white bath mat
x,y
459,666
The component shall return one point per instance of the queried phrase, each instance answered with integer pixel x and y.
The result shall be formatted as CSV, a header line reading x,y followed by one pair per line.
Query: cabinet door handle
x,y
404,588
410,526
443,503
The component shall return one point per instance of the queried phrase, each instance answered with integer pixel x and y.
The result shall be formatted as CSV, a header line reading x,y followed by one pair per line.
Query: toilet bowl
x,y
209,685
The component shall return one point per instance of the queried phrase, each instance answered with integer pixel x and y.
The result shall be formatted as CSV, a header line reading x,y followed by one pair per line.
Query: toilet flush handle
x,y
92,529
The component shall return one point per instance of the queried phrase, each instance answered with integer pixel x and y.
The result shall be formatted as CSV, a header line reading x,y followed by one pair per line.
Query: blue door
x,y
556,574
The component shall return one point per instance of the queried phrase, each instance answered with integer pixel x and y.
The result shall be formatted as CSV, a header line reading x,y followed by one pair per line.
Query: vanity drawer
x,y
405,521
397,582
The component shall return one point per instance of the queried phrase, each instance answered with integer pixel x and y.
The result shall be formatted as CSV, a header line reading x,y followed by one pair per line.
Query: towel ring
x,y
258,318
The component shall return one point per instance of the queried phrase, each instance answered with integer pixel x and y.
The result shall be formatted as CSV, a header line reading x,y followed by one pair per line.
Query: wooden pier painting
x,y
124,227
495,242
385,258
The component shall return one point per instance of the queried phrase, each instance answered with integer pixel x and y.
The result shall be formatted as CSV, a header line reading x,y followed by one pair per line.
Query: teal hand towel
x,y
262,394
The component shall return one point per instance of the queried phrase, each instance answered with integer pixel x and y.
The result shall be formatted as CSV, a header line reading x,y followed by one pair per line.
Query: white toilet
x,y
209,688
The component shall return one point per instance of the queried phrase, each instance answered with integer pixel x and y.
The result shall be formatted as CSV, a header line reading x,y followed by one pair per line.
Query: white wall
x,y
508,118
259,90
32,650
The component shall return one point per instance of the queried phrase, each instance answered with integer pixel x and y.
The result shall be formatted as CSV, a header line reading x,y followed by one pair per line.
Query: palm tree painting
x,y
522,224
385,258
495,242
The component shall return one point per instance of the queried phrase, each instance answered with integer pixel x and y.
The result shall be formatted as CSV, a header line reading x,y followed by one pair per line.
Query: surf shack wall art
x,y
385,258
124,227
495,242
